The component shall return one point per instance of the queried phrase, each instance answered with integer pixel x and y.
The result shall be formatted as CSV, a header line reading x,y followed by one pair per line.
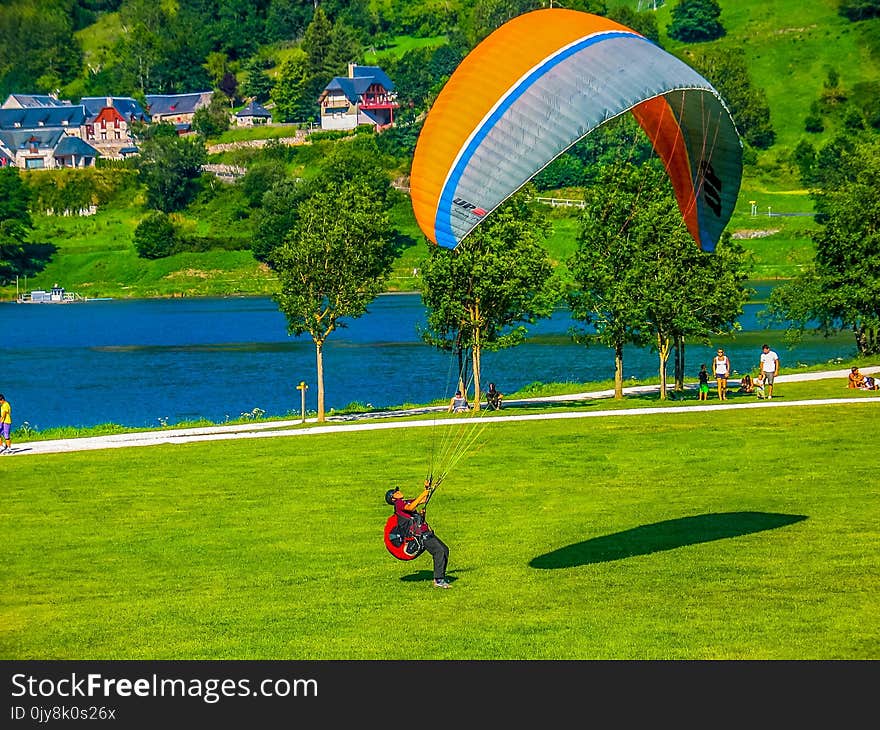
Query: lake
x,y
142,363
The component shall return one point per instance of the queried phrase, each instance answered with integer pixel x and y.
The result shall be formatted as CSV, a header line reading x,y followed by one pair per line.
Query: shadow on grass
x,y
428,575
666,535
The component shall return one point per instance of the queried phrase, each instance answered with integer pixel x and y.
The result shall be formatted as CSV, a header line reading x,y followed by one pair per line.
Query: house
x,y
365,96
44,137
177,109
71,119
252,115
48,148
108,123
27,101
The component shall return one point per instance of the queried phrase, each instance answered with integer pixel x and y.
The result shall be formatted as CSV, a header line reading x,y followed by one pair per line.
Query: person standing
x,y
704,383
408,512
769,369
5,425
721,368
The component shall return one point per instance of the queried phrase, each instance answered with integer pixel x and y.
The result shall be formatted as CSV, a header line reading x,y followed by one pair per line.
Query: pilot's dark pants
x,y
439,552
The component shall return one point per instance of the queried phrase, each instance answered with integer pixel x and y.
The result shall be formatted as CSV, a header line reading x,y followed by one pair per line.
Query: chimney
x,y
109,101
351,70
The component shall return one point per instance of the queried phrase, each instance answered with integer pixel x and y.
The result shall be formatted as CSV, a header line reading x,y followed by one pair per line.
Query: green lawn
x,y
744,534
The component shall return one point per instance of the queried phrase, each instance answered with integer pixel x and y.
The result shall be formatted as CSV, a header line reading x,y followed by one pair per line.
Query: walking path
x,y
275,429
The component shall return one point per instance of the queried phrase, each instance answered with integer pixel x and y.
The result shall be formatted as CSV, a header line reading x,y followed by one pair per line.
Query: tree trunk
x,y
867,340
663,346
679,363
319,356
475,357
618,372
462,366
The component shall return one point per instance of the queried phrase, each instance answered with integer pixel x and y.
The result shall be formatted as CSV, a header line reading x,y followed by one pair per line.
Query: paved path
x,y
275,429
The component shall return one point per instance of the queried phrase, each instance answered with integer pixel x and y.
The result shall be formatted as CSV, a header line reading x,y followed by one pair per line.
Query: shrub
x,y
155,237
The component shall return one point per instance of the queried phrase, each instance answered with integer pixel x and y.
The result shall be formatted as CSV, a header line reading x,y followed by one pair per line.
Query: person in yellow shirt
x,y
5,424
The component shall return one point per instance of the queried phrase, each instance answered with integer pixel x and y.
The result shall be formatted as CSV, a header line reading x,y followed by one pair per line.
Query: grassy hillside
x,y
790,47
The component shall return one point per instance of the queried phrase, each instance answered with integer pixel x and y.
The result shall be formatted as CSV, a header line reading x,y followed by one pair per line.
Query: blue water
x,y
147,362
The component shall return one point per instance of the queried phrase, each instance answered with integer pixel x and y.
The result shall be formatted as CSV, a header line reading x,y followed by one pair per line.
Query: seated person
x,y
759,385
855,379
870,384
458,403
746,385
494,398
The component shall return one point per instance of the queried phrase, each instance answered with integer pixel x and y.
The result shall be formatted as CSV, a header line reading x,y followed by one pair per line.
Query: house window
x,y
34,163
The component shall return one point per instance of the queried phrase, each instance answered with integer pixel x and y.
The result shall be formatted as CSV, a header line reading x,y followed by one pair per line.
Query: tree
x,y
276,216
287,19
257,83
169,167
155,236
606,264
139,48
15,222
687,293
642,278
317,44
333,263
841,289
38,48
229,87
854,10
212,120
291,91
728,71
694,21
479,295
644,23
344,48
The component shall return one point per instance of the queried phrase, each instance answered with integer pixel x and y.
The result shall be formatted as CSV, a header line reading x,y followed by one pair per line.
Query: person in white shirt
x,y
721,368
769,368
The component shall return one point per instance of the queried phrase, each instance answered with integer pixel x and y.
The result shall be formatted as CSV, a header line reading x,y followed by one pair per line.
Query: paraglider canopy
x,y
542,82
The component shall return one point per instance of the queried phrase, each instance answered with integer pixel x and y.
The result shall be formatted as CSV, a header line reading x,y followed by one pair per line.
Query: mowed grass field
x,y
727,534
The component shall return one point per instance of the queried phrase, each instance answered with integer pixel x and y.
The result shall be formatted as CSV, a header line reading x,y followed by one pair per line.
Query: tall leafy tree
x,y
290,91
687,293
344,48
333,263
257,83
481,295
15,222
286,20
169,167
276,216
859,9
728,71
212,120
694,21
606,266
145,24
841,289
641,22
38,48
316,43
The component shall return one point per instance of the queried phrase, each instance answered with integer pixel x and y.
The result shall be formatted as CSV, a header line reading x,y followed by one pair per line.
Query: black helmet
x,y
389,495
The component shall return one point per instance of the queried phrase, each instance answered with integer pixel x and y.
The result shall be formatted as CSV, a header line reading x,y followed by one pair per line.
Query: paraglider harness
x,y
404,537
